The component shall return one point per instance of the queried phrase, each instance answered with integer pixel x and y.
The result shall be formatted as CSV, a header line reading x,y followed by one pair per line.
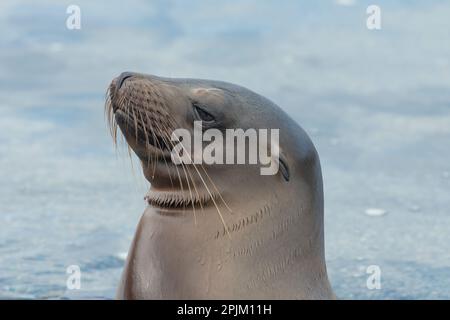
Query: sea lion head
x,y
148,109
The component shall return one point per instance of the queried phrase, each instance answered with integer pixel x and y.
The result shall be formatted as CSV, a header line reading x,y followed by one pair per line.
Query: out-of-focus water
x,y
375,103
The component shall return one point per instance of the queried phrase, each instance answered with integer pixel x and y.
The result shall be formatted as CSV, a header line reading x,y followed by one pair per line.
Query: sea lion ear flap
x,y
284,168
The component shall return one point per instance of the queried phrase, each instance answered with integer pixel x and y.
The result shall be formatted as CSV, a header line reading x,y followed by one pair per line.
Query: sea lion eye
x,y
202,114
284,168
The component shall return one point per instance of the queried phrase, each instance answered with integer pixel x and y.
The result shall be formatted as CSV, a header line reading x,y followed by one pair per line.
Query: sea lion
x,y
219,231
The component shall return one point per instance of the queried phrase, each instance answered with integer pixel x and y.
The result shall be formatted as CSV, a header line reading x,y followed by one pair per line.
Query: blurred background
x,y
376,103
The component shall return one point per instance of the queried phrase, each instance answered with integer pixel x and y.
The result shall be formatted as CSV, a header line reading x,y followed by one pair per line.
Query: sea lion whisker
x,y
209,178
198,195
195,187
213,200
186,171
171,121
129,106
190,190
217,190
135,125
207,189
150,156
159,146
162,133
109,115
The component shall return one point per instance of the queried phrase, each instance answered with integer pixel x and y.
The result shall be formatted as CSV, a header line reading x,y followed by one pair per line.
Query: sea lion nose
x,y
123,76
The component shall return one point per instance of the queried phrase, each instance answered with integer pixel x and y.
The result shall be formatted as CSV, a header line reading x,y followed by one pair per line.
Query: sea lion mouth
x,y
141,137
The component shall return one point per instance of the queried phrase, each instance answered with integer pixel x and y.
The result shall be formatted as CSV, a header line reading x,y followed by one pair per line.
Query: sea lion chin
x,y
218,231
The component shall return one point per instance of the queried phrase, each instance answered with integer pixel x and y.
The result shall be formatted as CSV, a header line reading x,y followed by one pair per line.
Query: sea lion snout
x,y
136,105
122,77
134,90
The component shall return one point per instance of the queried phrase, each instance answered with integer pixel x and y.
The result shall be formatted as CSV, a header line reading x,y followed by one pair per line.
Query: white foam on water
x,y
375,212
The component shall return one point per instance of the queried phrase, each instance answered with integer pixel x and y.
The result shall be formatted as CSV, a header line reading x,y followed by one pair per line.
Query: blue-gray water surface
x,y
376,103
